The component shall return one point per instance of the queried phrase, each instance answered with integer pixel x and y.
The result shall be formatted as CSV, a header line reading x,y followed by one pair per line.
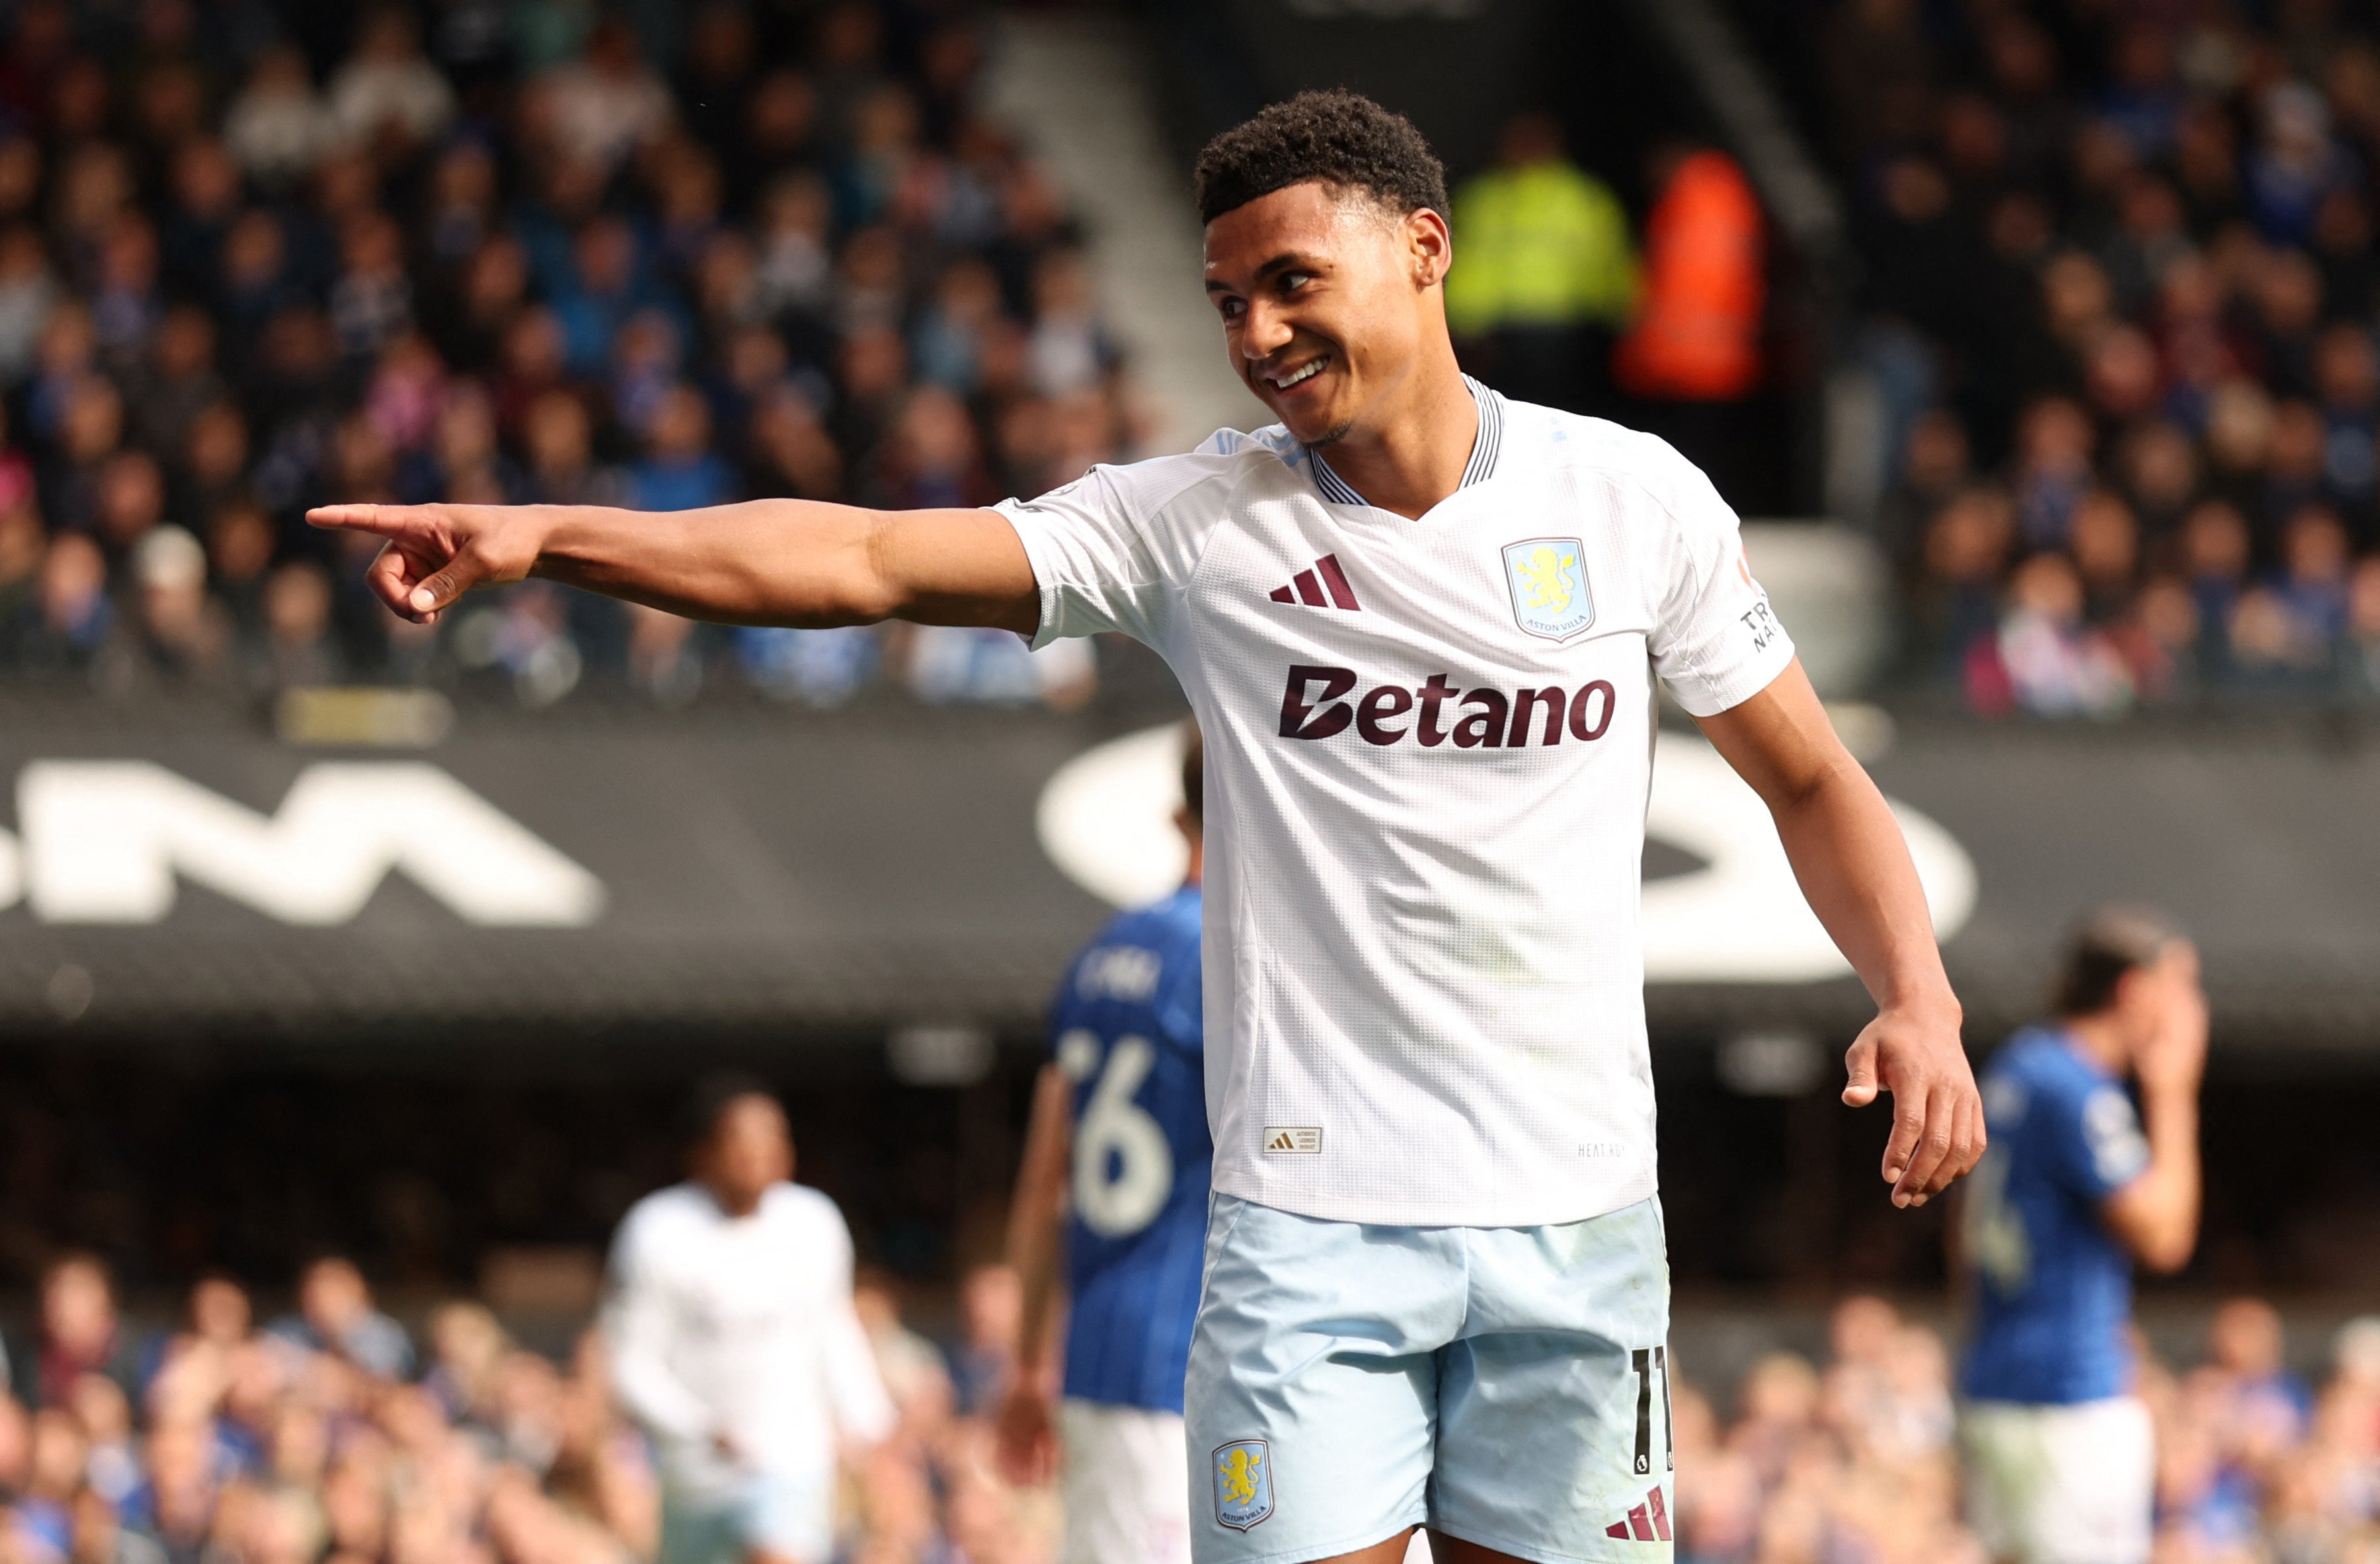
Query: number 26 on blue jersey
x,y
1124,1167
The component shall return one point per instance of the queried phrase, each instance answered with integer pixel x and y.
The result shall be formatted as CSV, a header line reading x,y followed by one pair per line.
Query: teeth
x,y
1307,373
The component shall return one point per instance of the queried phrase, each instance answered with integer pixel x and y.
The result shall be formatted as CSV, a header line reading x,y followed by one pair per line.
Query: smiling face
x,y
1329,302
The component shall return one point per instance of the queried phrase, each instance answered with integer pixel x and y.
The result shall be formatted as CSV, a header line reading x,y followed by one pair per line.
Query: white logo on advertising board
x,y
104,840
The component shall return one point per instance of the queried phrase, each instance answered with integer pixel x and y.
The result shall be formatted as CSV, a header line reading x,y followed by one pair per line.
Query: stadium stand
x,y
242,271
1856,1460
316,1435
253,255
2118,304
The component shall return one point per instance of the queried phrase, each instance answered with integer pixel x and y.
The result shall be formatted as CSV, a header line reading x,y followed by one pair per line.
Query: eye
x,y
1291,282
1230,308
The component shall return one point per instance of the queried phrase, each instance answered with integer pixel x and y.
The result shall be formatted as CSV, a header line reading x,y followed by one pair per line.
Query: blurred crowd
x,y
2117,312
328,1435
1859,1460
257,256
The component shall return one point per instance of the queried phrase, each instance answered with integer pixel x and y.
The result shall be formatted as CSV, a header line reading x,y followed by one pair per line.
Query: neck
x,y
735,1204
2099,1037
1413,458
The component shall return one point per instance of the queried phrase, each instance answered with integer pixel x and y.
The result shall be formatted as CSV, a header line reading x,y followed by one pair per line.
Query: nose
x,y
1263,333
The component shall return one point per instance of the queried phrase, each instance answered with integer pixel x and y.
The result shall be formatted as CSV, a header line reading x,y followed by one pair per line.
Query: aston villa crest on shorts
x,y
1243,1484
1547,577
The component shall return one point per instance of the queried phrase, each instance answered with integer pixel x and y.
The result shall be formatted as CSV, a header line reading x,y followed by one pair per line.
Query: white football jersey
x,y
1428,746
741,1328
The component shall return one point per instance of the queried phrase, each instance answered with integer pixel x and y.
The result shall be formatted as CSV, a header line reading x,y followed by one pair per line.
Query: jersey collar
x,y
1481,467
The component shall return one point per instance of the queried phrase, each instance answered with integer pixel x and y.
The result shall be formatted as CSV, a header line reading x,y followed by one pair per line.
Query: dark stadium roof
x,y
868,868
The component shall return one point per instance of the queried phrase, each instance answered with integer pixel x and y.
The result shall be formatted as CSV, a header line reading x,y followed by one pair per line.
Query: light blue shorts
x,y
1506,1385
790,1515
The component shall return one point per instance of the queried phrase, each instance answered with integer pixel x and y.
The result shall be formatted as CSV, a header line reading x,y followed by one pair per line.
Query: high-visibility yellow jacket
x,y
1542,245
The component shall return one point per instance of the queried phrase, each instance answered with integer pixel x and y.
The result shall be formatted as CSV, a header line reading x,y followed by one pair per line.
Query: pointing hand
x,y
435,553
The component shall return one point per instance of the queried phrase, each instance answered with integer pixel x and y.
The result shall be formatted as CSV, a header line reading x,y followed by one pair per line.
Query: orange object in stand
x,y
1697,332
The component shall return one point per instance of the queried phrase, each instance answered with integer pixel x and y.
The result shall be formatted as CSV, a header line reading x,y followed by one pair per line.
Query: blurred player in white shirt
x,y
736,1345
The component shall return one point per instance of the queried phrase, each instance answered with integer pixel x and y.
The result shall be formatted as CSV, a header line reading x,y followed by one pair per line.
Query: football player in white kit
x,y
734,1344
1420,627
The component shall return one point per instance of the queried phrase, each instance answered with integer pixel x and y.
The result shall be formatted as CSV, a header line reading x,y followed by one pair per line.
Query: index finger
x,y
1901,1146
388,521
1937,1127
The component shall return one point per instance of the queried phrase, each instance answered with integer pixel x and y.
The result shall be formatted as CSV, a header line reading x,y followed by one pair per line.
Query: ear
x,y
1430,245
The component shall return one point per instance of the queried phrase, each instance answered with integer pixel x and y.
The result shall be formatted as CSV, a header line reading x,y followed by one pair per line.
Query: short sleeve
x,y
1715,642
2100,1146
1091,559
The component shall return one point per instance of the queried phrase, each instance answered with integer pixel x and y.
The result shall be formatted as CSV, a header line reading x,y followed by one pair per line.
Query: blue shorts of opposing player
x,y
1506,1385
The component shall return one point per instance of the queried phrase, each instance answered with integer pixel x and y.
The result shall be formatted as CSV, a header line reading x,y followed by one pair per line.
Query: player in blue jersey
x,y
2075,1190
1118,1153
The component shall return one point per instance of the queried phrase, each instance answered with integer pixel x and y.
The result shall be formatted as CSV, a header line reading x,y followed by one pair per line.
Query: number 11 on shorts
x,y
1648,1362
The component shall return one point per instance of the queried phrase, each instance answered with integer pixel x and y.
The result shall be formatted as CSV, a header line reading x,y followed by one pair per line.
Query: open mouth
x,y
1298,376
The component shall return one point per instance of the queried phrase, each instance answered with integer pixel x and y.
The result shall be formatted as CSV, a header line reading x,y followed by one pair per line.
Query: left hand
x,y
1937,1116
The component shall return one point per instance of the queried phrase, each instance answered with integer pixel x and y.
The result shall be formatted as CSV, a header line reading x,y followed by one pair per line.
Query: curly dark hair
x,y
1337,137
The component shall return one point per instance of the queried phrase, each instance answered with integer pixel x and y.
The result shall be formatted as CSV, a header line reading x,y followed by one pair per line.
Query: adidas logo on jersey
x,y
1483,718
1306,586
1648,1522
1294,1137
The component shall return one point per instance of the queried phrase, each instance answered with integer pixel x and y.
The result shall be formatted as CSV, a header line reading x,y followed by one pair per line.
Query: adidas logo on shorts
x,y
1298,1138
1648,1522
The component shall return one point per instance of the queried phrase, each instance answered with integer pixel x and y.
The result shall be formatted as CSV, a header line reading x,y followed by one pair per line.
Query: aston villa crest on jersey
x,y
1548,578
1243,1484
